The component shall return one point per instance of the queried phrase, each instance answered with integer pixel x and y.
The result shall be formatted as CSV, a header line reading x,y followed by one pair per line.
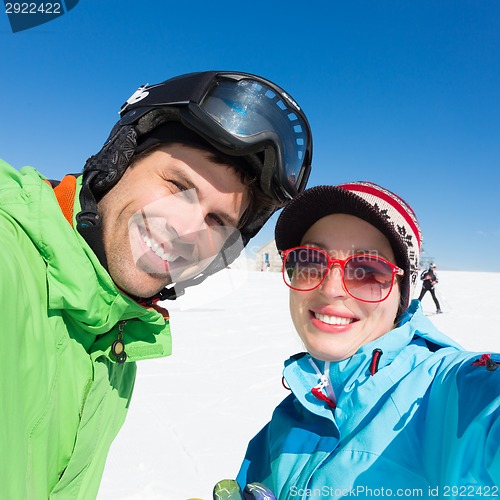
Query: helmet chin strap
x,y
101,172
89,222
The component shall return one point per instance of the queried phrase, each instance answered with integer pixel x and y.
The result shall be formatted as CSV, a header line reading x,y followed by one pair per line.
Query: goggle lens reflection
x,y
249,108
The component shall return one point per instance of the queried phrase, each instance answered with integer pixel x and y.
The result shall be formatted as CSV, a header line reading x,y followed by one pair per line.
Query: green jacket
x,y
63,398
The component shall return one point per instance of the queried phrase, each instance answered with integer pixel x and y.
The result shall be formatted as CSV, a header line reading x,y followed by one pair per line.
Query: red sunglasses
x,y
365,277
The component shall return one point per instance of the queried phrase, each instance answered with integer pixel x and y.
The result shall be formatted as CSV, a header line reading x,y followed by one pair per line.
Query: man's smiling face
x,y
168,217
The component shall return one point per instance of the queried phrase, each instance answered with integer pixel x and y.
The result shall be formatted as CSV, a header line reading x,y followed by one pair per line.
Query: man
x,y
192,171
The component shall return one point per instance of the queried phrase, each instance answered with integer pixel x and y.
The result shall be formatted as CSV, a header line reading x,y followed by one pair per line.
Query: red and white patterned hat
x,y
380,207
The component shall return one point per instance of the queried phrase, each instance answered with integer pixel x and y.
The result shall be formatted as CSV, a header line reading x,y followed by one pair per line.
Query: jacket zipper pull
x,y
118,347
317,392
324,383
376,355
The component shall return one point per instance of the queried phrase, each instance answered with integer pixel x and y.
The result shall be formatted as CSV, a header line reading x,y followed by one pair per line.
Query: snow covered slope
x,y
192,414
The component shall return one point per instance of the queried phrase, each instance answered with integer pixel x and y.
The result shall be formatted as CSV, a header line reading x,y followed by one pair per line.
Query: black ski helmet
x,y
239,114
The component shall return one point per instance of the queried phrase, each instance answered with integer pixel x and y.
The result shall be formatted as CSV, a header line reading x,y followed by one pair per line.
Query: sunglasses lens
x,y
368,278
304,268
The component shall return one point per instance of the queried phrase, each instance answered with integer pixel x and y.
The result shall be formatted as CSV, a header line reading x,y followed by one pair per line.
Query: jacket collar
x,y
81,289
415,329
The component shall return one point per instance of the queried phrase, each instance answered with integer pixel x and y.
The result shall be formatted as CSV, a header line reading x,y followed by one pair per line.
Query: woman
x,y
382,404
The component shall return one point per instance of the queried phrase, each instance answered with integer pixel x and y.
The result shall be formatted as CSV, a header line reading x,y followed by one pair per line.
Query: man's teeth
x,y
333,320
158,250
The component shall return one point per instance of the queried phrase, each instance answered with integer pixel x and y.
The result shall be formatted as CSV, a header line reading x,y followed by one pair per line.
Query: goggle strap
x,y
266,176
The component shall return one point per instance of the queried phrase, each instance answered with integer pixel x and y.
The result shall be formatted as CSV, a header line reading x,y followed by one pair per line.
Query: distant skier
x,y
429,281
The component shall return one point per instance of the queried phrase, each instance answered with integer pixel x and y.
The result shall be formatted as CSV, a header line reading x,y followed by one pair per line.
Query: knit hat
x,y
376,205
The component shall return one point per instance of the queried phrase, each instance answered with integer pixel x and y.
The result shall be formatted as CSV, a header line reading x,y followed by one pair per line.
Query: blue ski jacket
x,y
410,414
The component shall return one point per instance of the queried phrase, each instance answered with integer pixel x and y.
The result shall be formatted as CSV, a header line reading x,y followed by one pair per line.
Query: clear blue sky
x,y
402,93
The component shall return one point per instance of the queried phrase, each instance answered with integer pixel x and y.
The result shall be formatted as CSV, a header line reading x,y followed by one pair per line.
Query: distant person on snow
x,y
429,281
189,174
381,400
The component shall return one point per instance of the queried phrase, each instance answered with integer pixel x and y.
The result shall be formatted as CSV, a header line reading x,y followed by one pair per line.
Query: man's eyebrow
x,y
185,180
188,184
230,221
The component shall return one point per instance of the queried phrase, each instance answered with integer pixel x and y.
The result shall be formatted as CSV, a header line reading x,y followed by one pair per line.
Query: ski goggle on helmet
x,y
240,114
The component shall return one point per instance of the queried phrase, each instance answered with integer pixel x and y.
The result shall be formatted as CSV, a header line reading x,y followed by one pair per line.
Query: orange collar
x,y
65,193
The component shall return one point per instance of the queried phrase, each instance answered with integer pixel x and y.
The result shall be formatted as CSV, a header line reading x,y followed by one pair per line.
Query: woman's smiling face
x,y
332,324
